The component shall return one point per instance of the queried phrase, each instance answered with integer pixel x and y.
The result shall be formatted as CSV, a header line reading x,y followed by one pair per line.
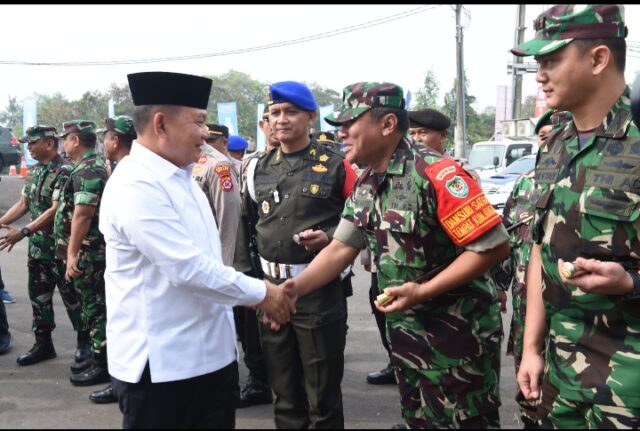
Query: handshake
x,y
279,303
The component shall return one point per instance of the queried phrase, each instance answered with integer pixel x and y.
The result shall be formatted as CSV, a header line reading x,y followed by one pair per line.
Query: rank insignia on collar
x,y
319,168
265,207
314,188
312,152
323,158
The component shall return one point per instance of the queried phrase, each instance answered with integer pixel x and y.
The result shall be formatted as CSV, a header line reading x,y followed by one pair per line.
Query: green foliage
x,y
528,106
427,96
11,116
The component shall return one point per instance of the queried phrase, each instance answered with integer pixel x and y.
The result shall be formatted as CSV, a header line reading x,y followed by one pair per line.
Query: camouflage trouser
x,y
462,397
90,288
580,415
44,276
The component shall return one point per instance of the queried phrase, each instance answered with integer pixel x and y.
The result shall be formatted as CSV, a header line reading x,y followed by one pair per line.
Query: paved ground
x,y
40,396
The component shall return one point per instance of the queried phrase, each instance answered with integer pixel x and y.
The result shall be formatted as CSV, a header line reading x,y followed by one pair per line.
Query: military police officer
x,y
45,271
299,189
80,244
587,215
420,212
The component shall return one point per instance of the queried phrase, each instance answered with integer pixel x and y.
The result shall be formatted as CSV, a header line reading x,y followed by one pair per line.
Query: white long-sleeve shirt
x,y
169,297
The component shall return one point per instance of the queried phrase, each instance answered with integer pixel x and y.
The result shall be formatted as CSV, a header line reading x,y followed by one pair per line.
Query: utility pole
x,y
460,134
517,73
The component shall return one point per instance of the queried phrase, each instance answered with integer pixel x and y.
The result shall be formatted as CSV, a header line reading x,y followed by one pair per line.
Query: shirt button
x,y
286,195
283,220
322,193
279,243
289,174
304,189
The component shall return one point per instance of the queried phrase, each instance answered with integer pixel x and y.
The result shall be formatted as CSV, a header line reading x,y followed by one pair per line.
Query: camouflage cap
x,y
82,127
560,25
358,98
34,133
122,124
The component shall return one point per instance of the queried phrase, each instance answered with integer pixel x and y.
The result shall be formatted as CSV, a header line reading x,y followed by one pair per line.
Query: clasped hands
x,y
279,304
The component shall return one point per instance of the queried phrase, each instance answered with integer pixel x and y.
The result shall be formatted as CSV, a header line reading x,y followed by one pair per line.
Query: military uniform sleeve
x,y
88,186
246,230
347,232
225,196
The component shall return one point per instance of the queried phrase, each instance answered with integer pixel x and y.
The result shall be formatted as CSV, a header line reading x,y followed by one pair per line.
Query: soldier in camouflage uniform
x,y
300,188
45,271
419,211
512,273
79,242
587,213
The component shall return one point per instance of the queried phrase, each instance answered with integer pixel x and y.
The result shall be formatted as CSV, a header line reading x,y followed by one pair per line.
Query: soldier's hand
x,y
502,296
406,296
313,240
12,236
72,268
530,373
606,278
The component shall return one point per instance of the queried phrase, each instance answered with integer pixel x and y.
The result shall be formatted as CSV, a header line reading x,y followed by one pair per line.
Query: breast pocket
x,y
601,208
403,243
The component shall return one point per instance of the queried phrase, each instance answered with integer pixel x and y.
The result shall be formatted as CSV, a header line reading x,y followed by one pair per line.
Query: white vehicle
x,y
489,157
497,188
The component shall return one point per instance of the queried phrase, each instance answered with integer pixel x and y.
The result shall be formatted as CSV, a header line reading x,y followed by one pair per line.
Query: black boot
x,y
257,391
83,348
103,396
386,376
78,367
41,350
96,373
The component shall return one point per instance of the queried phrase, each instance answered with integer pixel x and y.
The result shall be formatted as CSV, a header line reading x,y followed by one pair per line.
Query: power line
x,y
289,42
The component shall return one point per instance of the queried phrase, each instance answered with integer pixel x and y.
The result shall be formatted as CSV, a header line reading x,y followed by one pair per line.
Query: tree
x,y
11,116
324,96
528,106
428,95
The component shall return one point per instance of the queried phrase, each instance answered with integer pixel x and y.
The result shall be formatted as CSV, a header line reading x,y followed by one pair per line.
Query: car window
x,y
481,156
520,166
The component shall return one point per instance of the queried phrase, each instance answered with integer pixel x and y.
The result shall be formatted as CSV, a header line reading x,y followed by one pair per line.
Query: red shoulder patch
x,y
224,173
463,209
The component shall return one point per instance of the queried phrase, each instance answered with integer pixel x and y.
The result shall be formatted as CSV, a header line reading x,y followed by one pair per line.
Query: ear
x,y
312,117
600,58
389,124
159,124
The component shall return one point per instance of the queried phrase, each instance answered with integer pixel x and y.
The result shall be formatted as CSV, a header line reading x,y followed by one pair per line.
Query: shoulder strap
x,y
251,172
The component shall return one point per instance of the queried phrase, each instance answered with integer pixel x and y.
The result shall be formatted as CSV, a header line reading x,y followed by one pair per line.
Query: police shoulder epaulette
x,y
331,148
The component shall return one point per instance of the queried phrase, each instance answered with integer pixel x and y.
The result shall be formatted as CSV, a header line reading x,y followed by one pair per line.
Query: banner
x,y
503,110
227,115
541,103
29,118
261,138
324,111
112,109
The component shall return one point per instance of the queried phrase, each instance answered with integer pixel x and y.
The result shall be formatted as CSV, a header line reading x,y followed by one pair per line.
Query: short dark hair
x,y
88,140
142,115
127,139
53,139
401,115
617,46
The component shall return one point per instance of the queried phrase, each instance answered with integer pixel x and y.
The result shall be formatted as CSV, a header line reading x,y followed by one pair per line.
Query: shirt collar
x,y
163,168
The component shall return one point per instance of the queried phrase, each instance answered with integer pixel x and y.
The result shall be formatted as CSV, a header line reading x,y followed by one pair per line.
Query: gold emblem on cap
x,y
314,188
323,158
265,207
319,168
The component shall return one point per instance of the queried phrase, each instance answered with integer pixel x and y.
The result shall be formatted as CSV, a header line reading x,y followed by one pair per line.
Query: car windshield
x,y
520,166
481,156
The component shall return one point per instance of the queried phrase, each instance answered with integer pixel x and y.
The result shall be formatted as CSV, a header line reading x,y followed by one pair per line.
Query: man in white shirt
x,y
172,342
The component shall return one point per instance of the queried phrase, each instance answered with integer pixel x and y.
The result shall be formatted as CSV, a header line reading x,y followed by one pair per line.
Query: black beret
x,y
168,88
429,118
217,130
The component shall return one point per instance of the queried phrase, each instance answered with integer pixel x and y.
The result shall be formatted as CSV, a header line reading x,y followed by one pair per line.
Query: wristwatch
x,y
25,231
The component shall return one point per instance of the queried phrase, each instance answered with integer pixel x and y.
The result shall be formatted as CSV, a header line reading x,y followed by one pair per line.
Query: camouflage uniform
x,y
217,179
588,207
84,187
447,349
45,271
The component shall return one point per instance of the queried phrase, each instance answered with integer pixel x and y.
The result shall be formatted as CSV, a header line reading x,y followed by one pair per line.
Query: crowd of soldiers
x,y
298,213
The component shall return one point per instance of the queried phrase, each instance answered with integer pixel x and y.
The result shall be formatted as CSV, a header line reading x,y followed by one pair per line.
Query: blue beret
x,y
293,92
237,143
